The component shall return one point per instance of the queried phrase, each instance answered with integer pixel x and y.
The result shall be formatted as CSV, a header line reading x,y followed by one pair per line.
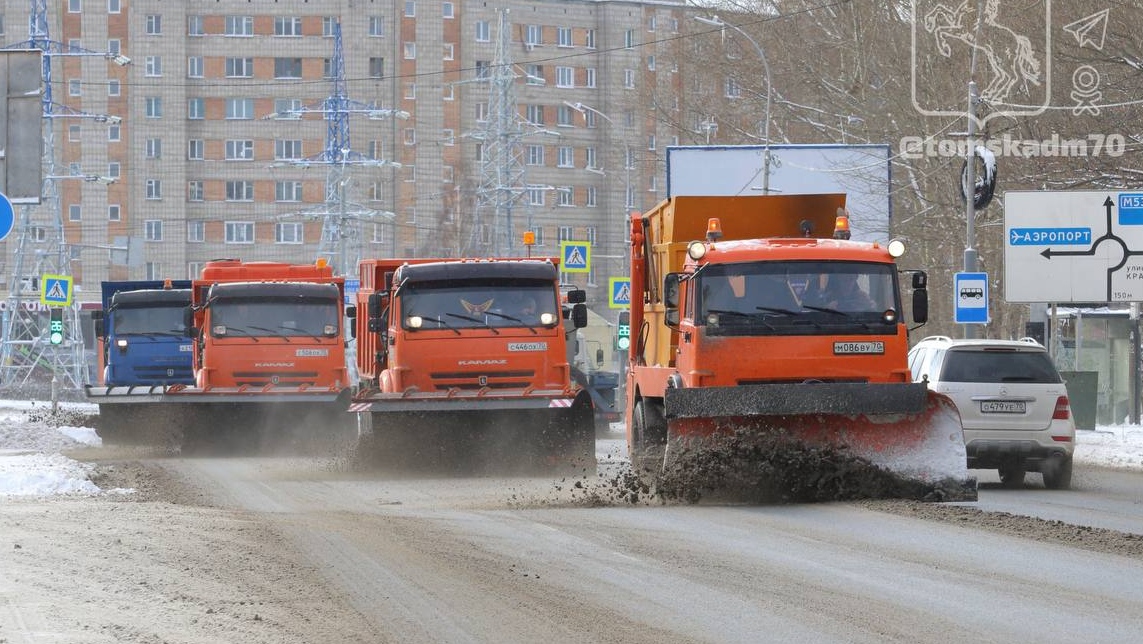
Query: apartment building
x,y
235,133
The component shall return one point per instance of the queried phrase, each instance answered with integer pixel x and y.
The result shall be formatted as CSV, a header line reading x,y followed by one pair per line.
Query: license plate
x,y
847,348
1003,407
527,346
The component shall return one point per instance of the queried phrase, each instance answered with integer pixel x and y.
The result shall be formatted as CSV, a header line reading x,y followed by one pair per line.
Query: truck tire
x,y
649,438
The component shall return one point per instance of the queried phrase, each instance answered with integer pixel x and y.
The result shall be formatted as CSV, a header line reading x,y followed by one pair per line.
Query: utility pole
x,y
970,195
41,248
341,219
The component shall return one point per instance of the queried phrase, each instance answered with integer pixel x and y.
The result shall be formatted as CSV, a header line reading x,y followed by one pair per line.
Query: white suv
x,y
1013,405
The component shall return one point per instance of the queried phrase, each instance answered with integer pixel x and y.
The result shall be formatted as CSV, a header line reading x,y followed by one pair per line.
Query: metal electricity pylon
x,y
341,218
41,248
502,182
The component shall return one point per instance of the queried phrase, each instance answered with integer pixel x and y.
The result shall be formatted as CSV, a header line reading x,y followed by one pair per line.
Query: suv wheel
x,y
1012,476
1057,472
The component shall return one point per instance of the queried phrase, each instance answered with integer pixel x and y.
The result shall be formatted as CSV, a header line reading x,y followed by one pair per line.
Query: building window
x,y
153,66
113,132
539,230
629,78
589,77
589,159
74,212
376,191
288,149
563,37
731,89
194,26
74,6
288,191
328,23
447,11
589,39
410,51
154,189
113,46
566,157
240,191
288,233
196,231
535,196
239,108
153,271
196,109
535,114
565,77
153,148
447,92
73,133
153,107
534,35
238,26
240,150
448,137
194,269
113,87
410,136
113,170
287,26
376,67
483,69
591,201
376,26
113,6
447,174
239,232
378,236
629,39
535,155
449,51
565,195
195,191
153,230
564,233
483,33
589,119
651,142
287,68
239,67
481,112
287,108
194,67
535,74
113,212
651,63
410,9
326,68
478,152
74,88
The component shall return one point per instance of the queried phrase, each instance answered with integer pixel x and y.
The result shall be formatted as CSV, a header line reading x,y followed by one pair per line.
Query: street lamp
x,y
717,22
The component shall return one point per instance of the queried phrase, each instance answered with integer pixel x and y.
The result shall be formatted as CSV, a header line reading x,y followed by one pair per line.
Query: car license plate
x,y
846,348
1003,407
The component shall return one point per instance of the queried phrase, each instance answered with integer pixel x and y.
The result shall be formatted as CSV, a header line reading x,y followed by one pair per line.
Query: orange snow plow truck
x,y
463,366
269,357
758,325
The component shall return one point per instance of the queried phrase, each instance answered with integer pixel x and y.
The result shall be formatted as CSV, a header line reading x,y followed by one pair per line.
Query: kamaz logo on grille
x,y
472,363
273,365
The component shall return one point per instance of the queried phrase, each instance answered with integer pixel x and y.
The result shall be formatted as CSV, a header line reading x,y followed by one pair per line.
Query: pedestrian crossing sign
x,y
620,290
55,290
576,256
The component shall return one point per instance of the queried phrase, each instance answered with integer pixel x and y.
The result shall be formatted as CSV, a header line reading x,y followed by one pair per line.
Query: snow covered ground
x,y
32,461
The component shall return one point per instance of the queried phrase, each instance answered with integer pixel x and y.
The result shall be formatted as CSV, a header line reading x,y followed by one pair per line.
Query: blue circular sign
x,y
7,216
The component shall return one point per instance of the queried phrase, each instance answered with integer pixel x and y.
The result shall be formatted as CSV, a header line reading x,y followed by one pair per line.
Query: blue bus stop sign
x,y
7,216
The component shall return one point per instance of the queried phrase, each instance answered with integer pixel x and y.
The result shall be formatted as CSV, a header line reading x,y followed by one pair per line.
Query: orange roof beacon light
x,y
713,229
841,224
321,262
529,240
167,284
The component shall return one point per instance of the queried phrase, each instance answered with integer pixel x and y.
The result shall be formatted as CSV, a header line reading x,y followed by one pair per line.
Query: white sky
x,y
32,462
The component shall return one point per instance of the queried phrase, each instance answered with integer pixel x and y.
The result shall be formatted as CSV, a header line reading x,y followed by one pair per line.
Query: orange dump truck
x,y
269,356
463,364
758,316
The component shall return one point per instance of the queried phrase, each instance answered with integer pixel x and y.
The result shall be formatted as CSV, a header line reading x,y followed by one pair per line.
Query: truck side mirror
x,y
671,290
351,311
579,315
375,305
921,305
577,296
188,322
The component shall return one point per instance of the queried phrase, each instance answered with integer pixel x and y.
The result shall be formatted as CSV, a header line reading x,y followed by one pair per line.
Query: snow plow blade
x,y
133,415
477,433
903,430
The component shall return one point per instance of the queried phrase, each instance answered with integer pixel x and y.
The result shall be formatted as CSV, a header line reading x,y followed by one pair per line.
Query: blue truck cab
x,y
142,337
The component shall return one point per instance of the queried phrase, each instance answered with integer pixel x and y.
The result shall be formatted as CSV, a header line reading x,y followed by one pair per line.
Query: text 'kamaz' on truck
x,y
464,366
143,348
758,327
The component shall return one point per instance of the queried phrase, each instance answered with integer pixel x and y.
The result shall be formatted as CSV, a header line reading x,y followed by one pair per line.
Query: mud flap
x,y
904,430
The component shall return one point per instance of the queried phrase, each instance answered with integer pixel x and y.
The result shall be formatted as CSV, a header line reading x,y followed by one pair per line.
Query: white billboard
x,y
859,171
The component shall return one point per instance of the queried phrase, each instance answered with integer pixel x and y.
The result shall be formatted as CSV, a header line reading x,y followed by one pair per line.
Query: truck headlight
x,y
121,343
414,321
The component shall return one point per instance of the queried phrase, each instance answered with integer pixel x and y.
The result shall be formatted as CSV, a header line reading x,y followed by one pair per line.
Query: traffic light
x,y
55,325
623,331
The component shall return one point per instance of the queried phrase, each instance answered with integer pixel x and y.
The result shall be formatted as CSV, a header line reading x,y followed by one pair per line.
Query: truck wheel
x,y
650,438
1057,472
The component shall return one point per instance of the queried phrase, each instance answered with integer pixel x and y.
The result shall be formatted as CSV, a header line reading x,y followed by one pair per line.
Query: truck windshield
x,y
789,296
153,319
471,305
309,317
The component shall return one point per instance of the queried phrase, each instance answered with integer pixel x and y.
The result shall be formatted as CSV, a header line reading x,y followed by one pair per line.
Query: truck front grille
x,y
444,381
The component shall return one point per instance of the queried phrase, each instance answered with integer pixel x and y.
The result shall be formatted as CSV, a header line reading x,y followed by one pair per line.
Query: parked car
x,y
1012,401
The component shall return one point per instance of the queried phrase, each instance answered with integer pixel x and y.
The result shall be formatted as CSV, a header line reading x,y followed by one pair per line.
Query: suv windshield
x,y
994,366
795,297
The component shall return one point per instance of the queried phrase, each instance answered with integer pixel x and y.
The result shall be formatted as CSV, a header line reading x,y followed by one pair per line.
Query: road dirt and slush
x,y
289,549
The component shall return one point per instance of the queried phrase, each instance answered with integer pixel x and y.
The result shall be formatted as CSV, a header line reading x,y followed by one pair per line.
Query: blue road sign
x,y
351,288
970,298
575,256
7,216
620,290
